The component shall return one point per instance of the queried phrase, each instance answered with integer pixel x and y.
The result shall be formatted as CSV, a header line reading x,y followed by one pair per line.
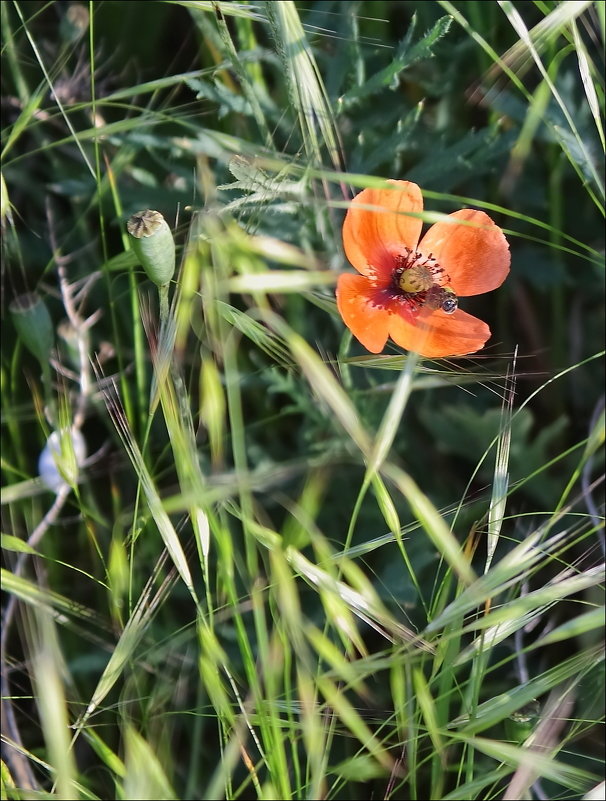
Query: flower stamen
x,y
420,281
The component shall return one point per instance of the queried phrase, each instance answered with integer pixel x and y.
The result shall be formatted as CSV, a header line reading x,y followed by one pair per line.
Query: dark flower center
x,y
419,281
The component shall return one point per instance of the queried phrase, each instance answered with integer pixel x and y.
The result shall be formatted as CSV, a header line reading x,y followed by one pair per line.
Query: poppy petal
x,y
356,301
436,334
372,238
475,256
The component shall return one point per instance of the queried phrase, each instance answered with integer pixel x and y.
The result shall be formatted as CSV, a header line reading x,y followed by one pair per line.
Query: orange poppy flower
x,y
408,290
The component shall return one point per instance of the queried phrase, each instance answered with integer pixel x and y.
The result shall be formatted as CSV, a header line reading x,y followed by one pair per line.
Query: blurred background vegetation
x,y
250,127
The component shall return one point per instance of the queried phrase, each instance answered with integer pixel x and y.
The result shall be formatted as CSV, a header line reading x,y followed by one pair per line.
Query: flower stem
x,y
163,295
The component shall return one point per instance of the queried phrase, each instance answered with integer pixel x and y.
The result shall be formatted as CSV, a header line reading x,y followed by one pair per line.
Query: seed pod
x,y
34,325
74,23
521,723
153,243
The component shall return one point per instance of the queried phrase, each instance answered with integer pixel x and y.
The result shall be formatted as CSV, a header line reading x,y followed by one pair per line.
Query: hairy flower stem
x,y
163,296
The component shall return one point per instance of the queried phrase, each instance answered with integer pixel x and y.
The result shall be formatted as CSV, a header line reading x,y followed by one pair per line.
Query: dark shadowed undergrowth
x,y
243,557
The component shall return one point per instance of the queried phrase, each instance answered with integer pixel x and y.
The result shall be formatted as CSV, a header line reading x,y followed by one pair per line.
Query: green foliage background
x,y
247,126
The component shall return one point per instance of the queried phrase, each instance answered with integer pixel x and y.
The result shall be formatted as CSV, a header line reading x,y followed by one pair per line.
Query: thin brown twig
x,y
73,296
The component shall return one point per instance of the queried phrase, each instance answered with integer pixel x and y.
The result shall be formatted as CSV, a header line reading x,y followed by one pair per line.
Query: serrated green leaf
x,y
405,57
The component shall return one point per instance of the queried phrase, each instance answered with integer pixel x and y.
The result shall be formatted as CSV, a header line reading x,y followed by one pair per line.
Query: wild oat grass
x,y
286,567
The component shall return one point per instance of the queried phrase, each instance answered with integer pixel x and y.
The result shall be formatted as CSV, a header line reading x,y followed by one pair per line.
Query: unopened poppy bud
x,y
34,325
153,243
